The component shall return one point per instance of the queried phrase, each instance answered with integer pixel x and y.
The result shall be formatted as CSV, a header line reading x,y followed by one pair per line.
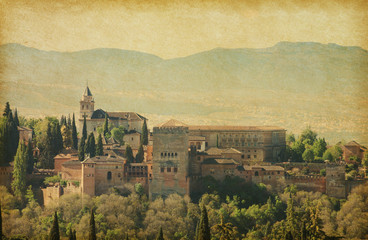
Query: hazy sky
x,y
180,28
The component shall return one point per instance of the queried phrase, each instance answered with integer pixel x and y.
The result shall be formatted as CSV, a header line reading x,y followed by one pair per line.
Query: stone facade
x,y
170,161
353,149
262,144
335,181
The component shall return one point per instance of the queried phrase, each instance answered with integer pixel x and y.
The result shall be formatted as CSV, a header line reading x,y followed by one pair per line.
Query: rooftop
x,y
234,128
172,123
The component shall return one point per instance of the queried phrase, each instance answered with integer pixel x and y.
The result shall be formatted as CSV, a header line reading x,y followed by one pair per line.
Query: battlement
x,y
308,177
171,130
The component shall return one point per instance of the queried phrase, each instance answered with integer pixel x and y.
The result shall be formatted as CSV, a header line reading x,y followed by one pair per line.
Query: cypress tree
x,y
144,133
129,154
61,120
69,123
74,234
160,235
140,155
54,233
106,125
81,149
30,159
1,224
74,135
204,229
92,227
58,139
91,145
71,237
19,171
16,120
84,131
7,109
99,148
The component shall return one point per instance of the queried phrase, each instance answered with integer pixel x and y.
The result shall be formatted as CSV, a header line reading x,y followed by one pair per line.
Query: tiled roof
x,y
231,150
234,128
214,151
24,129
173,123
222,161
105,159
126,115
352,143
72,162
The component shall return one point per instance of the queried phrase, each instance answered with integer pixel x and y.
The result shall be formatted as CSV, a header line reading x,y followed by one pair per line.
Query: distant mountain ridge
x,y
289,84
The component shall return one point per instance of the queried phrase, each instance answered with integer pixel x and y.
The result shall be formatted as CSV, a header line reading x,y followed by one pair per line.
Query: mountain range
x,y
292,85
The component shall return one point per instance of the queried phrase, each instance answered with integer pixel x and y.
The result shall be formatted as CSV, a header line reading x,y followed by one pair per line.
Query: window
x,y
256,173
109,175
248,156
116,167
176,154
255,144
242,156
175,169
278,172
162,154
255,156
162,169
249,144
82,107
165,154
169,169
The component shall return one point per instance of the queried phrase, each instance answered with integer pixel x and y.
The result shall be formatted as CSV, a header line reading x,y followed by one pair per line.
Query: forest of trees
x,y
289,215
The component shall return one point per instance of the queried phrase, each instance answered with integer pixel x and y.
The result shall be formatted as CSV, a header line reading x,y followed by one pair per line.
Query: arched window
x,y
109,175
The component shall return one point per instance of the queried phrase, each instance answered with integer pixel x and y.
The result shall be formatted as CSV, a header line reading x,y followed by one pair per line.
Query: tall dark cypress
x,y
99,148
74,135
11,135
74,235
54,233
106,125
91,145
140,155
204,229
71,237
7,109
92,227
16,120
48,152
84,131
160,235
29,159
58,139
69,123
1,224
144,133
129,154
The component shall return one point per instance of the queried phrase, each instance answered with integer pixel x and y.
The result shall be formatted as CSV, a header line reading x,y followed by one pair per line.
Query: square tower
x,y
170,167
87,104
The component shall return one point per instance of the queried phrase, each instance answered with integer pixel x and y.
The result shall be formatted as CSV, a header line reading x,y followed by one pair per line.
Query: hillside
x,y
290,84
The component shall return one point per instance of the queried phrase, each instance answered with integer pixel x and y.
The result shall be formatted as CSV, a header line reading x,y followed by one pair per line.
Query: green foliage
x,y
118,134
160,235
139,189
9,137
204,232
1,224
84,130
319,147
140,155
106,125
333,153
90,147
144,140
29,159
308,155
92,227
74,134
20,171
308,135
129,154
53,179
322,172
99,147
54,232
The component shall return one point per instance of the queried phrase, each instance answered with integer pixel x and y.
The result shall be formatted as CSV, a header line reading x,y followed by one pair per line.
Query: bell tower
x,y
87,104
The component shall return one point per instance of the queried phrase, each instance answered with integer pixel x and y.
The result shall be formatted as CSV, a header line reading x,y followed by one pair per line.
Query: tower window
x,y
162,169
109,175
168,169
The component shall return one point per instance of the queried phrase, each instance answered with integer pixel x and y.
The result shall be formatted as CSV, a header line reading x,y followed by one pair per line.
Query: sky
x,y
171,29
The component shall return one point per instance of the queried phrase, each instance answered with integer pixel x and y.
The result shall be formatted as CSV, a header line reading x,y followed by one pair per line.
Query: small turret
x,y
87,104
